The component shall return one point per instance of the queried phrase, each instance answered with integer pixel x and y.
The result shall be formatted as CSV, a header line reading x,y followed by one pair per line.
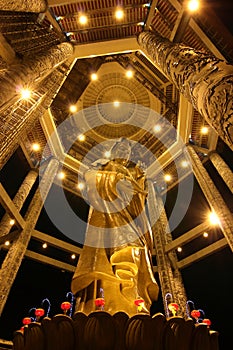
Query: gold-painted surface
x,y
118,242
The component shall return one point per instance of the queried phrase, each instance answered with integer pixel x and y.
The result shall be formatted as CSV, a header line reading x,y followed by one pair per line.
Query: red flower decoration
x,y
206,321
27,320
138,301
65,306
99,302
195,314
39,312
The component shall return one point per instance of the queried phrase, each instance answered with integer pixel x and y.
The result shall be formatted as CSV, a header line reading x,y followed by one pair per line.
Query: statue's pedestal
x,y
102,331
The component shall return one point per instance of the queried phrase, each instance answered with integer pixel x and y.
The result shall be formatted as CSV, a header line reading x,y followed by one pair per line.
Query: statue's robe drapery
x,y
116,257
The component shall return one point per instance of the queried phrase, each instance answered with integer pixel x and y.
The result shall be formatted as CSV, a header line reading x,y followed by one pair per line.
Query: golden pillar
x,y
30,71
205,80
16,252
213,197
169,274
36,6
223,169
18,200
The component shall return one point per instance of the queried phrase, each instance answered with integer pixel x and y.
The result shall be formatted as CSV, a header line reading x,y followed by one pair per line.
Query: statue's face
x,y
122,150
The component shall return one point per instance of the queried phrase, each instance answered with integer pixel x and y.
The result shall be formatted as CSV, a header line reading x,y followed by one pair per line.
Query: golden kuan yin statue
x,y
115,264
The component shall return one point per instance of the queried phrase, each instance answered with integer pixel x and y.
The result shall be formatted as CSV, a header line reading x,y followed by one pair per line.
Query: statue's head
x,y
121,149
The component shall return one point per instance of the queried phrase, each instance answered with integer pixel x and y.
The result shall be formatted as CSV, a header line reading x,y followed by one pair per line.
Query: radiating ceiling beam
x,y
203,253
43,237
180,26
151,14
49,261
10,208
185,116
187,237
103,48
64,2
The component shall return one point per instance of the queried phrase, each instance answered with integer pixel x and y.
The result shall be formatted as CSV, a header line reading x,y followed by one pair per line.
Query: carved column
x,y
223,169
31,71
15,125
169,274
18,200
36,6
213,197
16,252
205,80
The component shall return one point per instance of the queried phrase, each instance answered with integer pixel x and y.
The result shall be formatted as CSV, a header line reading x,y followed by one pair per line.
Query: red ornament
x,y
138,301
195,314
99,302
39,312
27,320
206,321
173,306
65,306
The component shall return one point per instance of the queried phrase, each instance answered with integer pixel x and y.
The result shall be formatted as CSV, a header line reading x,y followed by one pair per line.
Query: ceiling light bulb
x,y
167,177
80,186
129,73
179,249
119,14
205,234
193,5
83,19
107,154
7,243
81,137
35,147
12,222
157,128
184,163
61,175
204,130
213,218
116,103
25,94
73,108
73,256
44,245
94,77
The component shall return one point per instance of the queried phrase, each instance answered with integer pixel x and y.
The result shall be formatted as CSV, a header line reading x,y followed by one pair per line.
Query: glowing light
x,y
94,76
7,243
179,249
205,234
12,222
119,14
73,256
44,245
25,94
81,137
116,103
35,147
167,177
213,218
83,19
107,154
61,175
80,185
204,130
157,128
193,5
73,108
129,73
184,163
